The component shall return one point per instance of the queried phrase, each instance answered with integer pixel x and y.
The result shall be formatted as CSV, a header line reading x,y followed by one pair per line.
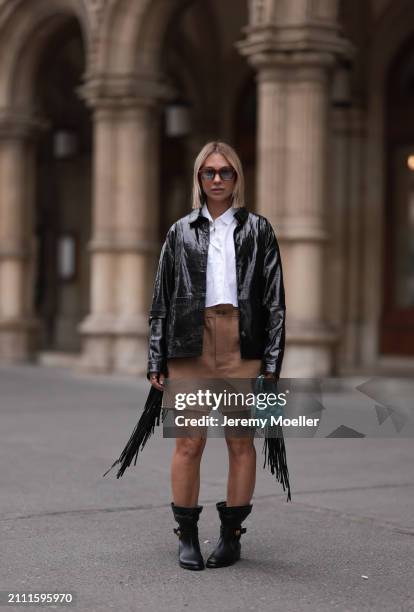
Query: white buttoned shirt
x,y
221,260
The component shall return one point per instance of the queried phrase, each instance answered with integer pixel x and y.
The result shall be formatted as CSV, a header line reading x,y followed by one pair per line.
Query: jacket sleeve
x,y
163,289
274,304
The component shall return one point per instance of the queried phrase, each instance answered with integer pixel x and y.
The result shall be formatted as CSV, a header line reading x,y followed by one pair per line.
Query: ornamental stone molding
x,y
115,245
96,9
278,29
264,12
14,124
125,91
260,11
270,44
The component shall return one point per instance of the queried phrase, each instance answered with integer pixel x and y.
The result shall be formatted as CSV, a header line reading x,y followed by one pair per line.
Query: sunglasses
x,y
226,173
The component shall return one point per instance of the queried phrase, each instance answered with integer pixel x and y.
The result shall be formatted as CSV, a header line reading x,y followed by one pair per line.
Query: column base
x,y
18,340
309,352
114,345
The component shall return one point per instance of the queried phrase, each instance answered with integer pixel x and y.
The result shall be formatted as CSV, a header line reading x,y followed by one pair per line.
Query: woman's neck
x,y
218,208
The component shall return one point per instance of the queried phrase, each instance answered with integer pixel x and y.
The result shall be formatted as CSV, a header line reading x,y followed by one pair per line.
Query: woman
x,y
218,310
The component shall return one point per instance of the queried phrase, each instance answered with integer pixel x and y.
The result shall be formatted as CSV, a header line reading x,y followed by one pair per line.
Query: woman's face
x,y
217,189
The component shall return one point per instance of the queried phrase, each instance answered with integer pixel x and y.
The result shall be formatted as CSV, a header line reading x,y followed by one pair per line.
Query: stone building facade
x,y
104,105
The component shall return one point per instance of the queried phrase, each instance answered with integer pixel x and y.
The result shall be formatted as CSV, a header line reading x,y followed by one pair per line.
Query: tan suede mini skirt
x,y
220,361
221,349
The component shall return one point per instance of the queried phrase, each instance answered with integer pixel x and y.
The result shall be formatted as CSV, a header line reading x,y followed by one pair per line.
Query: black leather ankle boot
x,y
189,555
228,547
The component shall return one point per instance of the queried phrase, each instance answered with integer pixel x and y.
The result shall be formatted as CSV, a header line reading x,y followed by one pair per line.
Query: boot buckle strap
x,y
239,531
236,531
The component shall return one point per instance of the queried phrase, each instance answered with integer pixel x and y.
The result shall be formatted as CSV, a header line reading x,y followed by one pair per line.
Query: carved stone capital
x,y
270,45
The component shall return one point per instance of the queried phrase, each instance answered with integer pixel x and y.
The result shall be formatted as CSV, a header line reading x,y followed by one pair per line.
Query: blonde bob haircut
x,y
233,159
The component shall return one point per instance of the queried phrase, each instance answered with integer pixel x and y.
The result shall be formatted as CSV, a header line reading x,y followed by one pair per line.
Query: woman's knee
x,y
190,448
240,446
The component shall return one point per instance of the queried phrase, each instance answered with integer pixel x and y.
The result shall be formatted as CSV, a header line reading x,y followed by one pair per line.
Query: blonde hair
x,y
230,154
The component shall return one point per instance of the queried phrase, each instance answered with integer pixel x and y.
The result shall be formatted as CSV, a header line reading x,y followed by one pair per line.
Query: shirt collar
x,y
226,217
196,217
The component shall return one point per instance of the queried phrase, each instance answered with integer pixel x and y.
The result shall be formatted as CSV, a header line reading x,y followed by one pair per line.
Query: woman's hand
x,y
157,380
271,375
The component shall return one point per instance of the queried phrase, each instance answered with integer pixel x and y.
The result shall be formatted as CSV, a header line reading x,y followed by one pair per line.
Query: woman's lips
x,y
217,190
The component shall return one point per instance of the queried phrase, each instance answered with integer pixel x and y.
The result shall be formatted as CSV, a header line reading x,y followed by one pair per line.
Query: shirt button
x,y
243,334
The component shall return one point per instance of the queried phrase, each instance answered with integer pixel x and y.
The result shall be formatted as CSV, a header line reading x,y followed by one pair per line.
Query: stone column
x,y
137,222
303,229
18,325
125,244
98,328
338,222
352,345
293,67
272,84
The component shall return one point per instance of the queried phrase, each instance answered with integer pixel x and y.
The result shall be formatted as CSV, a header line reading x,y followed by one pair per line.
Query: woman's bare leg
x,y
185,471
242,470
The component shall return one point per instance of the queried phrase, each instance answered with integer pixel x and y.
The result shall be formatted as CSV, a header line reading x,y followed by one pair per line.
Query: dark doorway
x,y
63,199
397,323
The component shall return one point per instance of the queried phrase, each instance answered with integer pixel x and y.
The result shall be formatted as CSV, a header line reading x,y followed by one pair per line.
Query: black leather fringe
x,y
275,456
150,417
273,448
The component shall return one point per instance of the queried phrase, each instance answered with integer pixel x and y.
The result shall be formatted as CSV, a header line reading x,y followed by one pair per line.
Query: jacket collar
x,y
196,217
241,215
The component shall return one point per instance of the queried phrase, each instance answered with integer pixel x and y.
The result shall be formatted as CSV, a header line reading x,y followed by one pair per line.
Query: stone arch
x,y
133,34
19,58
133,31
394,27
27,34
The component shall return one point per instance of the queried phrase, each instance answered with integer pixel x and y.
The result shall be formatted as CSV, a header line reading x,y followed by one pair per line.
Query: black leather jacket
x,y
177,313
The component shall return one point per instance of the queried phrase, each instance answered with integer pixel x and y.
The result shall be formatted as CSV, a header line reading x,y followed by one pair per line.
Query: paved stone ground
x,y
65,528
